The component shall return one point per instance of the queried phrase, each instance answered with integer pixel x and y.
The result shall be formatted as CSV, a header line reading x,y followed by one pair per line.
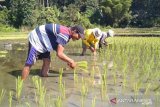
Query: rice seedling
x,y
82,65
10,98
62,90
40,91
157,98
58,102
94,102
124,82
115,78
147,88
19,86
84,92
27,104
3,52
2,94
62,85
75,76
135,87
60,76
92,75
103,87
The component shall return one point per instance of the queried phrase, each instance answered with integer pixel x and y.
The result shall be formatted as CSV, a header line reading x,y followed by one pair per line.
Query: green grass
x,y
13,35
23,35
137,30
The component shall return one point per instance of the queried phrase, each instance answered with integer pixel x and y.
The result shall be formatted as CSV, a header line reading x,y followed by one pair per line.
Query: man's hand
x,y
92,49
65,58
72,64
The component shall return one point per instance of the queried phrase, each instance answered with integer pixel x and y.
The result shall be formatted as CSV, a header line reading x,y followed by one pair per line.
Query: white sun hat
x,y
97,32
110,33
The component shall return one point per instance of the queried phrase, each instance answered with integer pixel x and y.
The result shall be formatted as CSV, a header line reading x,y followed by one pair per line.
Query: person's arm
x,y
103,39
86,42
88,45
94,42
64,57
92,49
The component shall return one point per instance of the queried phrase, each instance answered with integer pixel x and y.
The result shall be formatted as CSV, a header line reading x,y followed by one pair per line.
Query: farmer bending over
x,y
44,39
102,41
93,37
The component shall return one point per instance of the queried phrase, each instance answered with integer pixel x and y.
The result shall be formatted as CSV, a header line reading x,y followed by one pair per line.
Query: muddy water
x,y
12,64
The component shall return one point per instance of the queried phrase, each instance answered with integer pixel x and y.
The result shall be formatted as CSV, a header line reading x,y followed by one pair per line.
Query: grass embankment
x,y
147,32
118,32
13,35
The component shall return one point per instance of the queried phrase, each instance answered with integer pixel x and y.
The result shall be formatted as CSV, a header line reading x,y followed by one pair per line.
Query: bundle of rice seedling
x,y
82,65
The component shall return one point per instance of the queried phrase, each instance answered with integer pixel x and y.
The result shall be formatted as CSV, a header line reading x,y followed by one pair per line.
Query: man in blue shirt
x,y
46,38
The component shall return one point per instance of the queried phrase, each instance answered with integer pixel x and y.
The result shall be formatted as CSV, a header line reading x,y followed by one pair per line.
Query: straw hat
x,y
97,32
110,33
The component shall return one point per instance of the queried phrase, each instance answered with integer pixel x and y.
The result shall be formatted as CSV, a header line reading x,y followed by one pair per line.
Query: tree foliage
x,y
115,13
21,12
146,13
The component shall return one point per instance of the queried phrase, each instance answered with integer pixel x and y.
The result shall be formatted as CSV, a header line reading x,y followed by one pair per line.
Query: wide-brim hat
x,y
97,32
110,33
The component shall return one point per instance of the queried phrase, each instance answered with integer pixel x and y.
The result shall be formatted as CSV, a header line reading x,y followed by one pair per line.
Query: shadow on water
x,y
36,72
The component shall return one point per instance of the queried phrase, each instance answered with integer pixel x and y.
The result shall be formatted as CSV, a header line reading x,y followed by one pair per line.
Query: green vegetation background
x,y
27,14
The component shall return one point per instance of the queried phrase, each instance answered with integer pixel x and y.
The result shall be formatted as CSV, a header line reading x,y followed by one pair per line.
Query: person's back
x,y
91,39
102,41
44,39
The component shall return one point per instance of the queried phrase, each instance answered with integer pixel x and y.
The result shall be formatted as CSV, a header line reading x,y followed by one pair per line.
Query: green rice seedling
x,y
103,87
61,85
157,98
124,81
84,88
84,92
10,98
60,76
75,76
82,65
62,90
3,52
147,88
115,78
136,88
2,94
27,104
58,102
19,86
92,75
40,91
94,102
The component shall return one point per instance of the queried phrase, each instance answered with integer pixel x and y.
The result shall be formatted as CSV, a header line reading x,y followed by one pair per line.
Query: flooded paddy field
x,y
126,73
